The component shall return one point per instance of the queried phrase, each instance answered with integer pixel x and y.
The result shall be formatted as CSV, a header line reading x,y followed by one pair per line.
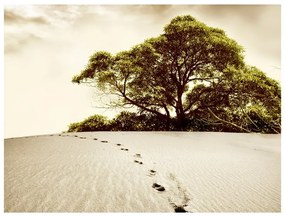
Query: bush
x,y
130,121
255,120
92,123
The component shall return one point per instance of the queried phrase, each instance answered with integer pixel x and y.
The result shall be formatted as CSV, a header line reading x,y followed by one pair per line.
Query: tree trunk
x,y
181,122
180,113
168,118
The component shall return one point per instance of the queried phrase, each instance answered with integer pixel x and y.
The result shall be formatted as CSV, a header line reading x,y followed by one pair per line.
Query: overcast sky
x,y
46,45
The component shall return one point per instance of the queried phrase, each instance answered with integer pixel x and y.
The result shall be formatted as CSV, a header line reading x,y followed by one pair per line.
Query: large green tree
x,y
169,75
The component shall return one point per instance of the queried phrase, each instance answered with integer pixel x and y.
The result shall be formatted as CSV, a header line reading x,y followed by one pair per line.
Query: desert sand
x,y
143,172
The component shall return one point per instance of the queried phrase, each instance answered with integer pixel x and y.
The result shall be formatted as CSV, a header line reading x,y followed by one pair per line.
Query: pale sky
x,y
45,46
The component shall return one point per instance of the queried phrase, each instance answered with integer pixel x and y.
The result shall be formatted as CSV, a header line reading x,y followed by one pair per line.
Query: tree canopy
x,y
191,72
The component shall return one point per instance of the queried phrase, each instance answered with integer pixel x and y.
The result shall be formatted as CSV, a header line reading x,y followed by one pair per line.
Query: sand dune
x,y
116,172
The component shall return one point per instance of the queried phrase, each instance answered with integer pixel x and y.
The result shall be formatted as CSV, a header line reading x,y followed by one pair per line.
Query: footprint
x,y
179,209
124,149
119,144
75,136
139,162
158,187
138,155
181,195
155,185
104,141
82,137
152,173
95,139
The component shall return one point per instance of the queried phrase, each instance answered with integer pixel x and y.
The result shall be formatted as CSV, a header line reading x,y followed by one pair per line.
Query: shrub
x,y
92,123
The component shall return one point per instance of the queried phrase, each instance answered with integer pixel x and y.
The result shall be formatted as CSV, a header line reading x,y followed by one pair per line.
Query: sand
x,y
201,172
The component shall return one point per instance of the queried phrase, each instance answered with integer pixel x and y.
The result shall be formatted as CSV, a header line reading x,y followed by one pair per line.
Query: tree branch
x,y
249,118
141,106
227,122
203,79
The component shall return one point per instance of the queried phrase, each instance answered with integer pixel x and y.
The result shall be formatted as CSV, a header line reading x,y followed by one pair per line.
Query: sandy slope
x,y
205,172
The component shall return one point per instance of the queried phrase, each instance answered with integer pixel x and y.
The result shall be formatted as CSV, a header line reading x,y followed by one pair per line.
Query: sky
x,y
46,45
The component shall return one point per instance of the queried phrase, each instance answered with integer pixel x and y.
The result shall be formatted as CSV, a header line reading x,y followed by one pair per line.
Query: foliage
x,y
245,99
92,123
125,121
130,121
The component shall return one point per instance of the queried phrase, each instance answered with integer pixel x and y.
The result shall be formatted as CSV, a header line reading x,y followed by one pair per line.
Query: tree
x,y
167,75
